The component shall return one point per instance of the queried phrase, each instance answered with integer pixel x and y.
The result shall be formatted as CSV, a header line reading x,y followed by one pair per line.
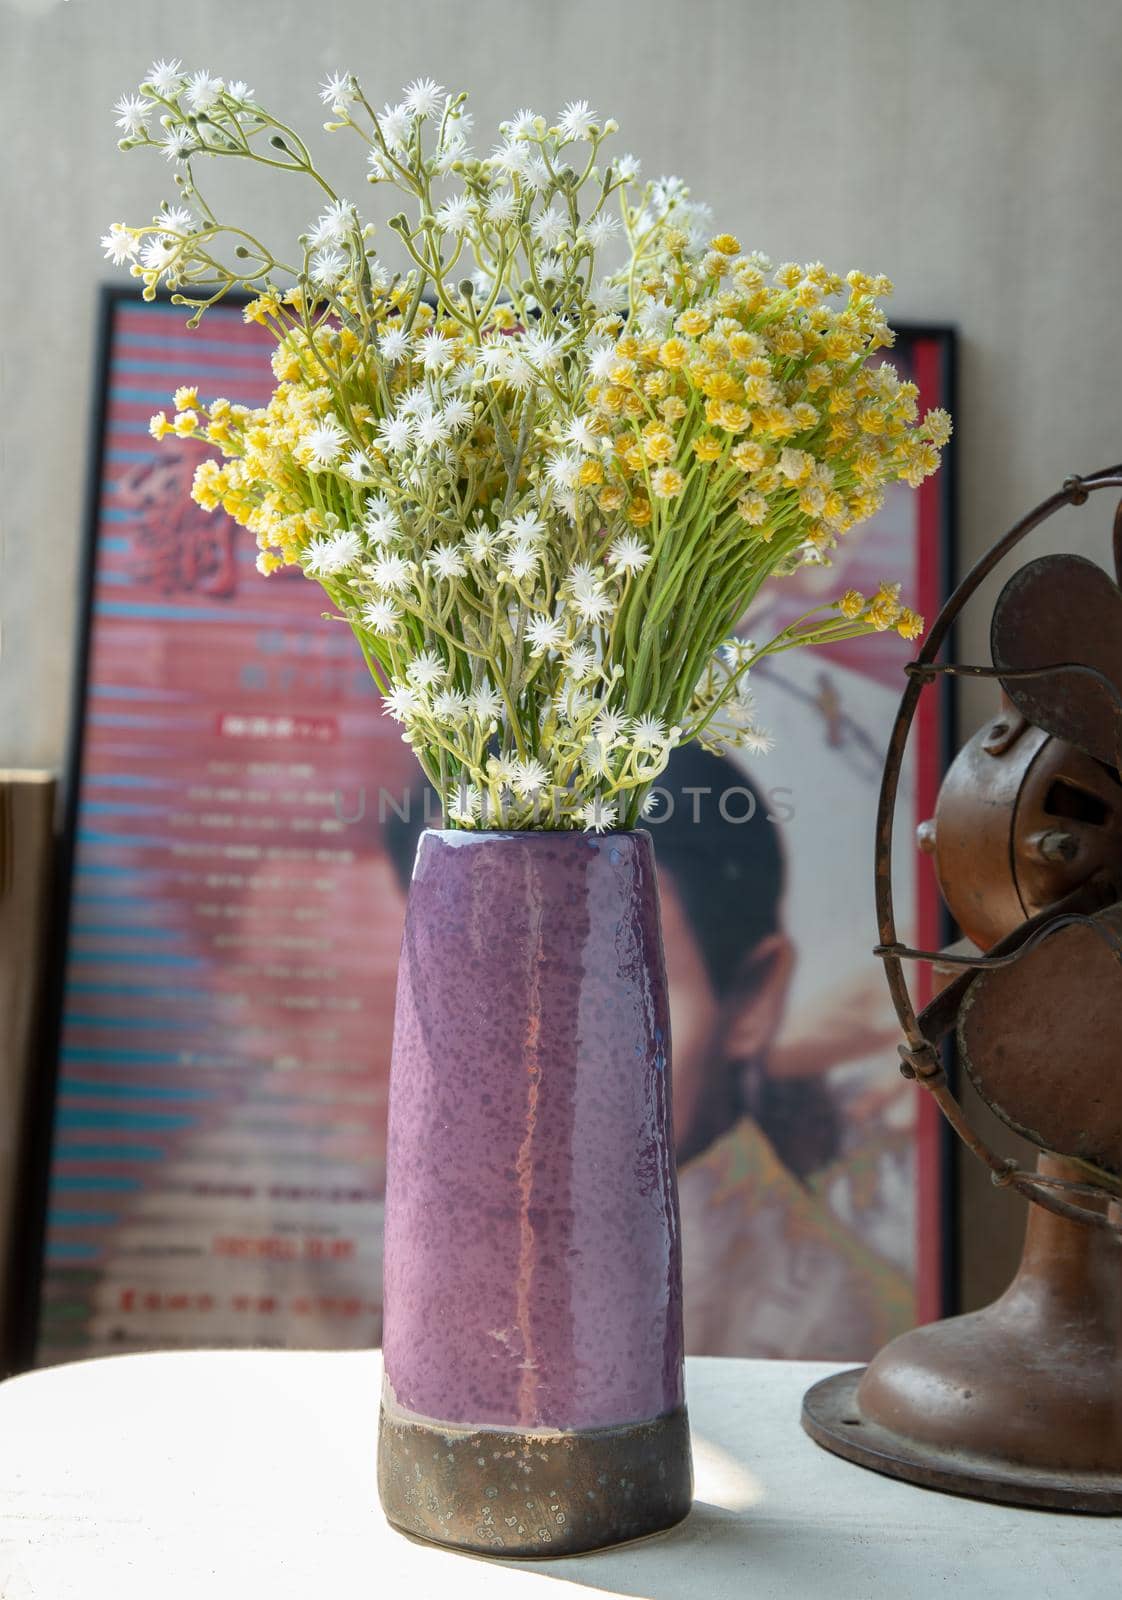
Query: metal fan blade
x,y
1063,609
1041,1040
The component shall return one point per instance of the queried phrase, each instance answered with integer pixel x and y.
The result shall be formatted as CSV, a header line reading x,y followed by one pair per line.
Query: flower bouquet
x,y
541,451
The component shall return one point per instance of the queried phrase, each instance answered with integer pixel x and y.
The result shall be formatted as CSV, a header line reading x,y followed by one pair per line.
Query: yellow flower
x,y
909,624
186,423
266,305
745,346
721,386
707,447
656,384
752,507
639,511
726,243
591,473
749,456
208,485
159,427
789,274
611,498
694,321
851,604
186,397
672,409
674,353
728,415
658,444
667,482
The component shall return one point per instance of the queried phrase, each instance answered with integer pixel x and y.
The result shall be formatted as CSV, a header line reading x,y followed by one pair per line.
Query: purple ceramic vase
x,y
533,1400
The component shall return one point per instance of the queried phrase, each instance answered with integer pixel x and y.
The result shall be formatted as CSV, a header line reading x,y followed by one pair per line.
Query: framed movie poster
x,y
240,825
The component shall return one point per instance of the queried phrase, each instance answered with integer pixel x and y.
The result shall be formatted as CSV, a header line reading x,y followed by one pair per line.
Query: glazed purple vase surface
x,y
532,1256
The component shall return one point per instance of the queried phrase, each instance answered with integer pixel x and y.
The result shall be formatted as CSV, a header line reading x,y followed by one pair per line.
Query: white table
x,y
250,1476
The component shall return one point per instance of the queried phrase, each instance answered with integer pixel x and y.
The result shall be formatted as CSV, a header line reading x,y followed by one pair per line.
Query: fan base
x,y
832,1418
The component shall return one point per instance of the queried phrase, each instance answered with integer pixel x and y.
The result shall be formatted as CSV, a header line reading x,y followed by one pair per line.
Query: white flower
x,y
426,669
577,120
327,267
580,662
577,433
393,345
607,297
501,769
529,777
178,143
424,98
457,414
655,318
627,168
648,732
176,219
240,91
522,560
544,633
481,544
395,124
454,215
525,526
395,434
485,703
514,158
323,443
629,554
380,521
593,607
333,553
335,90
597,815
502,206
548,228
157,253
583,579
132,113
358,467
431,430
758,741
666,193
600,358
165,77
464,804
403,702
202,90
521,124
517,371
381,616
450,705
543,349
447,561
334,225
435,350
390,573
563,468
118,244
611,728
550,266
601,229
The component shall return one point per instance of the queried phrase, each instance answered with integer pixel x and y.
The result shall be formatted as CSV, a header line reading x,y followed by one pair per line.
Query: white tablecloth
x,y
250,1476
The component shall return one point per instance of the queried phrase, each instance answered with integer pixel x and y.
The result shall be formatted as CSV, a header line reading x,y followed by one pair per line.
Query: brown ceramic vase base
x,y
533,1493
832,1418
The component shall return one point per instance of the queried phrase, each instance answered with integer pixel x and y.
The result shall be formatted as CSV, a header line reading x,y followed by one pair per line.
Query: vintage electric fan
x,y
1020,1402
